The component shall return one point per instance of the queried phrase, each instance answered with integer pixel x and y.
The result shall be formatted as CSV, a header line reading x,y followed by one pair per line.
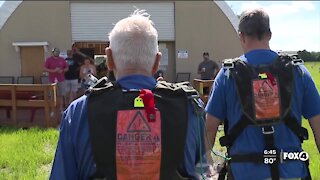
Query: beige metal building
x,y
30,29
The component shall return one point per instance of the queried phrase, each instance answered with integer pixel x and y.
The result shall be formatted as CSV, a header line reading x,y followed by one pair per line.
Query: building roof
x,y
233,18
8,7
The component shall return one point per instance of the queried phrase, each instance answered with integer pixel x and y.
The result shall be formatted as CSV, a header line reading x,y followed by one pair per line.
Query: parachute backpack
x,y
265,94
138,134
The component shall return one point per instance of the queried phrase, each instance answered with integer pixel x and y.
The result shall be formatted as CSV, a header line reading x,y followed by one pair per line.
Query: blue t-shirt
x,y
74,159
224,104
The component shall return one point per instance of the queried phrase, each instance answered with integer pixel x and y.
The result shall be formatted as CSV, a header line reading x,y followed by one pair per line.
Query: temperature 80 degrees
x,y
269,160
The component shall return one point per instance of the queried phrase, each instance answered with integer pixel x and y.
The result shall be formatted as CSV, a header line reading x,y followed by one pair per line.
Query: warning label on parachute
x,y
138,146
266,99
138,124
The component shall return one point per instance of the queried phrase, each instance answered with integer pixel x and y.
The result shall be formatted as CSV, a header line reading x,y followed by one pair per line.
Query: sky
x,y
295,25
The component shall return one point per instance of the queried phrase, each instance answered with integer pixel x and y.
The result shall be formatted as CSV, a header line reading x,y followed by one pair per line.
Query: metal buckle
x,y
227,65
264,131
297,62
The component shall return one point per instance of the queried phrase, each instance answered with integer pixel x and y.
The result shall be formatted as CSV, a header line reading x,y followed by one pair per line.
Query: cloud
x,y
276,8
296,34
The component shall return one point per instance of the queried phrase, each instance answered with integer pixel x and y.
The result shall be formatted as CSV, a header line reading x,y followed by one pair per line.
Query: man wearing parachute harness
x,y
134,128
261,97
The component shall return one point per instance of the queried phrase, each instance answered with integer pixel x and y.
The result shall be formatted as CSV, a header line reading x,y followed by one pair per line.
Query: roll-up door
x,y
93,21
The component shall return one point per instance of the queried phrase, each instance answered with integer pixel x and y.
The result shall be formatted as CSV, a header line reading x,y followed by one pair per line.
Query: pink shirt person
x,y
54,62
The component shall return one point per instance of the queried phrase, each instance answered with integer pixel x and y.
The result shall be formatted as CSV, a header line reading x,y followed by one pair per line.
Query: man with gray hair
x,y
261,97
134,128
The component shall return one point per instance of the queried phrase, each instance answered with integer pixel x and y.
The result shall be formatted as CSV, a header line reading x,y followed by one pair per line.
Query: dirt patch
x,y
5,170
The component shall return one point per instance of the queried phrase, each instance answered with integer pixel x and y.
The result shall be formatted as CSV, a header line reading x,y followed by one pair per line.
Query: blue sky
x,y
295,25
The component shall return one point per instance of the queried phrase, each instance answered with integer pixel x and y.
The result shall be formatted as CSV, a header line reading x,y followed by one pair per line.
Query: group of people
x,y
140,128
68,73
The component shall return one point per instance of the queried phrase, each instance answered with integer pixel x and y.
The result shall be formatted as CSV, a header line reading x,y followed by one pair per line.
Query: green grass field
x,y
310,145
28,154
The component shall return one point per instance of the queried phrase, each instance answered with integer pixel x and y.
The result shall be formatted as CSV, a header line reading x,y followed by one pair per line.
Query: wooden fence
x,y
33,97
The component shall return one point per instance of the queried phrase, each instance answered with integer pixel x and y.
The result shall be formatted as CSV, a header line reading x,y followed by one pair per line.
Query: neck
x,y
128,72
256,45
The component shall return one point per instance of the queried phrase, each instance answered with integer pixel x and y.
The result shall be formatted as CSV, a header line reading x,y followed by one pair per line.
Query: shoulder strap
x,y
243,73
228,64
100,86
298,62
185,89
295,60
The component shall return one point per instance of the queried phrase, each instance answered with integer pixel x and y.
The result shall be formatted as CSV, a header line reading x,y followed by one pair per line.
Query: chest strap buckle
x,y
268,130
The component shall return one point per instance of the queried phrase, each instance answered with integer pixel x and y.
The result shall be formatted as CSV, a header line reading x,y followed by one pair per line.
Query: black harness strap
x,y
223,172
296,128
291,123
252,157
268,132
234,133
102,131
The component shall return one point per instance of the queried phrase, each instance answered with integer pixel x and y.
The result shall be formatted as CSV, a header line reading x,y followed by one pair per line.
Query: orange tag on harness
x,y
266,99
138,146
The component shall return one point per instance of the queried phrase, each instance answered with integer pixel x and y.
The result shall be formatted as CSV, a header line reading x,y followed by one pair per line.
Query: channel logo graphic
x,y
302,156
271,156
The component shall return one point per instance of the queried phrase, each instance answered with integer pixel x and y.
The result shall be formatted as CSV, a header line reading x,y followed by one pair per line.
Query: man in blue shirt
x,y
224,104
134,57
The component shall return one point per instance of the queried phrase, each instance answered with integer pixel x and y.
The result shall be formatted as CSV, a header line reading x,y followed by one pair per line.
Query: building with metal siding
x,y
30,29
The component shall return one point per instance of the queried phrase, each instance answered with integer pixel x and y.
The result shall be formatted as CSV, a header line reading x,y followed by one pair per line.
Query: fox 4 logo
x,y
302,156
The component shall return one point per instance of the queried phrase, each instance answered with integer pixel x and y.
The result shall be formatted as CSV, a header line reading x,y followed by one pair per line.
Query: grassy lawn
x,y
28,154
310,145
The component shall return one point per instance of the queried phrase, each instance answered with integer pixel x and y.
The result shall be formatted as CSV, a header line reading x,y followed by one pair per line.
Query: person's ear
x,y
110,62
156,64
269,36
241,37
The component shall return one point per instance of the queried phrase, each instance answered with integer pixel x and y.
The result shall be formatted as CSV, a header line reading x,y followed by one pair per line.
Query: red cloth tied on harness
x,y
149,106
271,78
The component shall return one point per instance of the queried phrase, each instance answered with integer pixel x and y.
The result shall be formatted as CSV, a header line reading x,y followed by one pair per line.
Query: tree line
x,y
309,56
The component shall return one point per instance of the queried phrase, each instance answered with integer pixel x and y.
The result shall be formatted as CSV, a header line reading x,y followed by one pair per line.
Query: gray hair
x,y
134,42
254,23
